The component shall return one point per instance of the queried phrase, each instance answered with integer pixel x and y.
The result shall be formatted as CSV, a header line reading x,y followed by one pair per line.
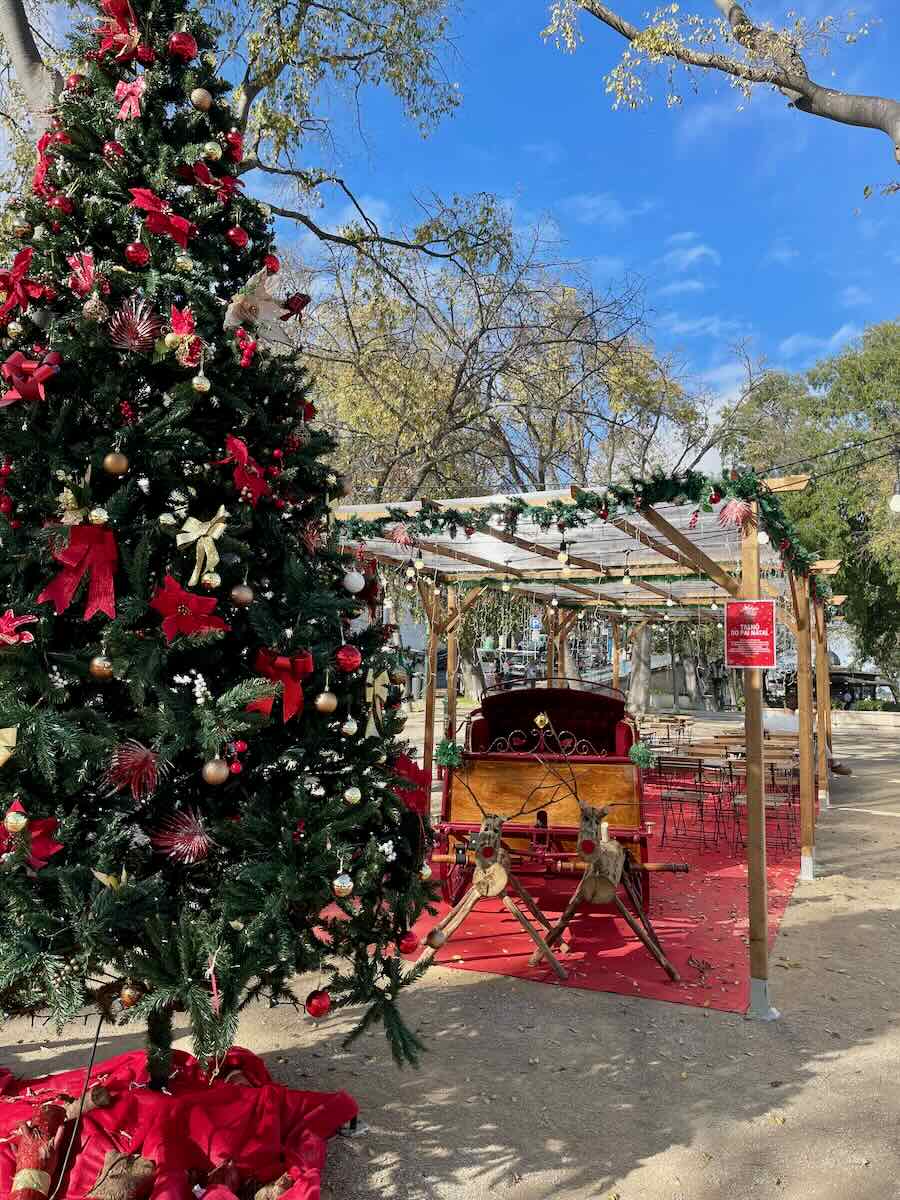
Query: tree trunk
x,y
472,674
40,85
639,677
159,1047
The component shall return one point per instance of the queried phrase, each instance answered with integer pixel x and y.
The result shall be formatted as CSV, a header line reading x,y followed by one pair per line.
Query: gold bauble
x,y
425,872
215,772
15,821
352,795
184,263
242,595
436,938
94,309
326,702
201,384
201,99
15,329
130,995
342,885
100,668
115,463
212,151
22,229
172,340
210,580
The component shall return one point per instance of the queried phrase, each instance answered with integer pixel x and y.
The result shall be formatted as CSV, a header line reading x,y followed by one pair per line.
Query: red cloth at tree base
x,y
263,1127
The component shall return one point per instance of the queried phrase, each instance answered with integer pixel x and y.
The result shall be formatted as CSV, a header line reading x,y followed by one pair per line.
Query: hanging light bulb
x,y
410,586
762,538
670,603
505,586
554,603
563,555
714,606
666,617
720,625
410,571
419,562
626,575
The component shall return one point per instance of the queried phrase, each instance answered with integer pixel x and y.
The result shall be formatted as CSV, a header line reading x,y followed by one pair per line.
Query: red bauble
x,y
279,503
240,746
62,204
238,237
183,46
235,768
113,150
348,658
318,1003
49,293
272,263
715,496
145,55
6,505
137,254
73,80
409,943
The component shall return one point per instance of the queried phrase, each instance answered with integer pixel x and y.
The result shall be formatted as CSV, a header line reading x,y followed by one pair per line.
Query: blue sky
x,y
745,225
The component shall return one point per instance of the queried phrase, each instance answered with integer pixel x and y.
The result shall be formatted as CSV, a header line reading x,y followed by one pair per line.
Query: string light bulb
x,y
419,563
554,603
670,603
563,555
762,538
714,606
410,571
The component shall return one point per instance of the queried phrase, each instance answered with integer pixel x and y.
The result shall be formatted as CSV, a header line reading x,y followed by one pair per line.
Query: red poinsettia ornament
x,y
248,474
42,846
185,613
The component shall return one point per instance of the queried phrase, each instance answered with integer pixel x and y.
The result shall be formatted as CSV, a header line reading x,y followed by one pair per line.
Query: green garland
x,y
642,756
448,754
616,500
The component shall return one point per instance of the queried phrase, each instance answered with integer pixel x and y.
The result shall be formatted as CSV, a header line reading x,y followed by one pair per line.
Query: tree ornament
x,y
436,938
100,668
397,676
272,263
349,727
326,702
200,383
242,595
183,46
215,772
135,326
130,994
185,613
352,795
61,204
425,872
74,81
15,822
235,768
15,329
136,767
408,943
184,837
212,151
342,885
236,235
210,580
172,340
23,228
95,310
146,55
137,254
201,99
112,151
715,496
318,1002
354,581
348,658
115,463
184,263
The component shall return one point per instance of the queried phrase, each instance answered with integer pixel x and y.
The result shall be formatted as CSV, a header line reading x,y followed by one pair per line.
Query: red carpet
x,y
700,917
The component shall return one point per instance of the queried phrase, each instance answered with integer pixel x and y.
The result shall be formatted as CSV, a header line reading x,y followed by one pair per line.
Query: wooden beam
x,y
453,622
758,903
462,607
826,566
432,605
836,601
691,552
465,556
616,661
788,483
800,594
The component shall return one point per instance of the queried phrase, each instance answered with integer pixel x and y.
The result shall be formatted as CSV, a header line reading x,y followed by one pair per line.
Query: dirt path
x,y
531,1092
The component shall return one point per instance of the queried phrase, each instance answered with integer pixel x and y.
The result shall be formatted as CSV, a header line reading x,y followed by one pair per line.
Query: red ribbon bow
x,y
160,218
15,282
290,673
91,551
225,185
248,474
295,305
129,96
81,281
120,33
28,376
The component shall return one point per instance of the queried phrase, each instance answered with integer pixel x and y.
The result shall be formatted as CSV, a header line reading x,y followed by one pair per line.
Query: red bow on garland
x,y
295,305
290,673
225,186
20,290
129,95
248,474
28,376
160,218
81,281
120,33
91,551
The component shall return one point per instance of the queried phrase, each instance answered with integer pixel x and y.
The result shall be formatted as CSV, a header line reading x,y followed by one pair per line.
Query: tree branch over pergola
x,y
733,45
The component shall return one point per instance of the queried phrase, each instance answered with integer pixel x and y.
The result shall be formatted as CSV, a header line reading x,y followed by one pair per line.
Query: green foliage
x,y
241,900
642,756
448,754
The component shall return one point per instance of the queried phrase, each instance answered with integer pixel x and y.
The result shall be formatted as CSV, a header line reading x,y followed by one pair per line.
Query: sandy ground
x,y
529,1091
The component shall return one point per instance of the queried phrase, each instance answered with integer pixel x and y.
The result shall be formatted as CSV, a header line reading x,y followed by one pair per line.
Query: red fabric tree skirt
x,y
264,1128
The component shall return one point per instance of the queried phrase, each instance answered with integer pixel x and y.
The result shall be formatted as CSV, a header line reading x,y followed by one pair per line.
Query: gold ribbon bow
x,y
204,533
7,743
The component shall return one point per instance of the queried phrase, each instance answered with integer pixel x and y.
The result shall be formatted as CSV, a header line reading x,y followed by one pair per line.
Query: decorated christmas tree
x,y
199,797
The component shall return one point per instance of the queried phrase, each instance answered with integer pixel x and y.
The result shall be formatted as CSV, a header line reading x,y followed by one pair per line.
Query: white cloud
x,y
807,346
549,152
682,287
602,208
854,297
679,239
701,120
376,210
711,326
682,258
782,252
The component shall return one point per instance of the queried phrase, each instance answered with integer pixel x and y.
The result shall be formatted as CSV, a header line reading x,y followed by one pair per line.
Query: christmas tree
x,y
198,780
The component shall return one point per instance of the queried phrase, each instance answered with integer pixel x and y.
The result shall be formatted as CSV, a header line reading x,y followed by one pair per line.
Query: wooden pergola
x,y
658,562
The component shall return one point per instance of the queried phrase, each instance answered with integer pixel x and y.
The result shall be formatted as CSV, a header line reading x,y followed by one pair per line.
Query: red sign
x,y
750,633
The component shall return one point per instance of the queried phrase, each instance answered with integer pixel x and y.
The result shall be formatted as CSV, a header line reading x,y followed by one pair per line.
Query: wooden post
x,y
616,663
432,611
758,900
552,622
453,623
800,593
823,702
